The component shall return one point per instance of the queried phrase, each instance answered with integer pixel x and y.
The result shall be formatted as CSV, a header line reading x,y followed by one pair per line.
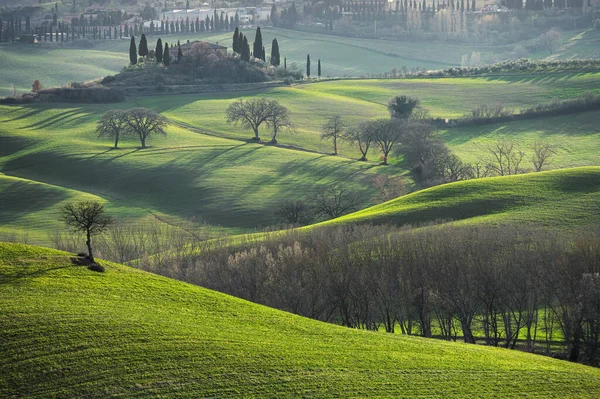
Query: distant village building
x,y
246,15
208,47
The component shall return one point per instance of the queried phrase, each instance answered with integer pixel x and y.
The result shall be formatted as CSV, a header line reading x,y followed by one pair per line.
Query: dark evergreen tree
x,y
166,58
235,41
245,53
132,51
179,53
27,25
159,50
308,65
143,50
275,58
274,16
285,63
473,6
319,67
262,54
258,44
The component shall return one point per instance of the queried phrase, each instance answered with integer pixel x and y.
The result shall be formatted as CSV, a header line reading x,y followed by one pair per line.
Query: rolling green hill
x,y
206,170
70,332
559,198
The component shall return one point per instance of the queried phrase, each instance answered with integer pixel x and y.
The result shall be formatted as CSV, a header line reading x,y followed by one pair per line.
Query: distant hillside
x,y
71,332
559,198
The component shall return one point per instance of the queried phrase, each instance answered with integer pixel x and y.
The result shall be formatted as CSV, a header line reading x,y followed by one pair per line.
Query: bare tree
x,y
362,136
333,129
279,118
113,124
542,155
251,113
87,217
144,122
294,212
335,201
388,188
387,133
505,158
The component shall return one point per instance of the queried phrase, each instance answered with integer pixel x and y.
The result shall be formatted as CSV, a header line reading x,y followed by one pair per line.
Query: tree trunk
x,y
88,242
116,140
256,138
335,146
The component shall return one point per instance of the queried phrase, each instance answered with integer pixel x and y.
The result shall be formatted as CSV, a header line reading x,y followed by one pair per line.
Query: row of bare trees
x,y
136,122
524,288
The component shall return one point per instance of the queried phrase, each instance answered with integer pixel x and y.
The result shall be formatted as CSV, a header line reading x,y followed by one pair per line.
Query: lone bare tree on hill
x,y
542,155
333,129
87,217
251,113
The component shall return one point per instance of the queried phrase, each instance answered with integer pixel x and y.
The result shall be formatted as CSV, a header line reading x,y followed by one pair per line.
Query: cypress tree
x,y
258,45
179,53
285,63
319,67
235,40
132,52
262,54
308,65
275,59
245,49
462,5
143,51
166,58
159,50
468,6
473,6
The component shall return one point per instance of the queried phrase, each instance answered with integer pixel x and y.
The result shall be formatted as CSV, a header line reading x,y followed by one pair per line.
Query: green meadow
x,y
207,171
68,331
55,66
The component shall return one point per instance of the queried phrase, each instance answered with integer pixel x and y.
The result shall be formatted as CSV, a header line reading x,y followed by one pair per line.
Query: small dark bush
x,y
95,267
108,79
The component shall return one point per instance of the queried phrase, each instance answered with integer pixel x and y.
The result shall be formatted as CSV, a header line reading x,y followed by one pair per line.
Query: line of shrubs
x,y
487,114
74,94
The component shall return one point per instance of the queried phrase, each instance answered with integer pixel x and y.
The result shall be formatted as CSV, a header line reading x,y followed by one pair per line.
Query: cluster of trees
x,y
241,46
251,114
160,54
287,18
517,287
136,122
411,134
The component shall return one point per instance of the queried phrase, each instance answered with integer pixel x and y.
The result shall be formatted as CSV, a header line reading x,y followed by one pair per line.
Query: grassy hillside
x,y
340,56
71,332
230,184
204,169
560,198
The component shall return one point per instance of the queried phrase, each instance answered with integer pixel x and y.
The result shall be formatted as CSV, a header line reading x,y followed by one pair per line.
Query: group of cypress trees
x,y
308,66
240,46
160,54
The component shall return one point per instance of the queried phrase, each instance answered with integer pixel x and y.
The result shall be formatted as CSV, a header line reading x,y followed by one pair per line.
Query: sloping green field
x,y
70,332
559,198
206,171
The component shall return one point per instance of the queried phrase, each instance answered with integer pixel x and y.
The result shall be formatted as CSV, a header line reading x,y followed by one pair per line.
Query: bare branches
x,y
333,129
88,217
542,155
362,136
113,124
251,113
335,201
140,122
505,158
279,118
